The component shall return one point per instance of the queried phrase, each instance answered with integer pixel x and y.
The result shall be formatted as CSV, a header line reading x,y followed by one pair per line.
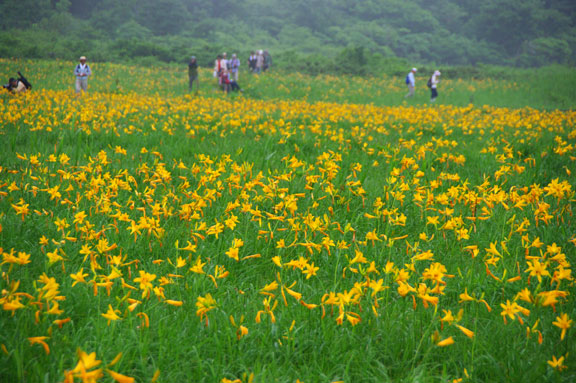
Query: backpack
x,y
429,83
24,81
407,79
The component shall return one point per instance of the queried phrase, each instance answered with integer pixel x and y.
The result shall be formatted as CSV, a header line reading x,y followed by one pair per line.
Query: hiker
x,y
192,73
82,71
433,85
234,66
267,61
228,82
259,62
218,68
252,62
411,82
12,84
225,61
17,85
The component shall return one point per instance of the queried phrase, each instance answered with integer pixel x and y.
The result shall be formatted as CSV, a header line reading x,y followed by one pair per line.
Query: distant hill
x,y
465,32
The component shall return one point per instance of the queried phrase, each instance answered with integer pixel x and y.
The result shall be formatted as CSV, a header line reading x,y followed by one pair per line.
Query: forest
x,y
343,36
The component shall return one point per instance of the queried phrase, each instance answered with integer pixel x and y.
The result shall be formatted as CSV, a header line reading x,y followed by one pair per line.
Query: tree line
x,y
344,36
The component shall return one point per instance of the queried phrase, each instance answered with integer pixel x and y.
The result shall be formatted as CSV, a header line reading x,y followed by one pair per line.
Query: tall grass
x,y
372,228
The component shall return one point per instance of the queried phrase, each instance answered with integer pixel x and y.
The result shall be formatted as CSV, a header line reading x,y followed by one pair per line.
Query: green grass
x,y
544,88
322,140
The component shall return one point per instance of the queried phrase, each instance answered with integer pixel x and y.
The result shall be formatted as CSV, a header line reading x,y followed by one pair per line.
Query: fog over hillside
x,y
504,32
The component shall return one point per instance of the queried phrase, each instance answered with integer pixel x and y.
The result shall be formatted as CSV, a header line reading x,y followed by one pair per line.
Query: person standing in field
x,y
433,85
259,62
82,71
252,62
218,68
267,61
411,82
193,74
225,61
234,66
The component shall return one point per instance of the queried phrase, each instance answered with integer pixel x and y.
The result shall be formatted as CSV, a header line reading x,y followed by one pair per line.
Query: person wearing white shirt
x,y
411,82
434,80
225,61
82,71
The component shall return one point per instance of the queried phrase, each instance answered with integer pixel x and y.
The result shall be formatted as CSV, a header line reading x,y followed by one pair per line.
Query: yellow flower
x,y
204,305
87,362
79,217
53,256
564,323
511,309
557,364
78,277
465,297
12,304
145,279
468,333
269,287
198,266
119,377
61,224
535,268
445,342
267,310
241,332
111,314
40,340
372,236
21,208
233,253
310,270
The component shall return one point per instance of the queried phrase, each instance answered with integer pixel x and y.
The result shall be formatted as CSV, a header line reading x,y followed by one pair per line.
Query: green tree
x,y
162,17
84,8
23,13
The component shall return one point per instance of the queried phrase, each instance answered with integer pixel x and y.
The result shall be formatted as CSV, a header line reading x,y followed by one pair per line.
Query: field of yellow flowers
x,y
156,237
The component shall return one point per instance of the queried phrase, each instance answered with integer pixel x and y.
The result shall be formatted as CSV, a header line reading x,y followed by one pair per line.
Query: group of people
x,y
259,62
432,83
226,70
81,72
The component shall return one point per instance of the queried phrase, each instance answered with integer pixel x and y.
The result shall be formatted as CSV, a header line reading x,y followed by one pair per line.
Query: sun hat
x,y
414,70
82,57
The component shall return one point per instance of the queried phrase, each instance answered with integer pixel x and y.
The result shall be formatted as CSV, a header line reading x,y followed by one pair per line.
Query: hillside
x,y
502,32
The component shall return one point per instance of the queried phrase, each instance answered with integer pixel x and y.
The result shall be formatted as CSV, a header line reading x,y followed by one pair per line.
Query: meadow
x,y
309,229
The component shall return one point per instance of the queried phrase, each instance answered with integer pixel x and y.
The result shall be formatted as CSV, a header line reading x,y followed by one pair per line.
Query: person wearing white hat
x,y
411,82
82,71
434,80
